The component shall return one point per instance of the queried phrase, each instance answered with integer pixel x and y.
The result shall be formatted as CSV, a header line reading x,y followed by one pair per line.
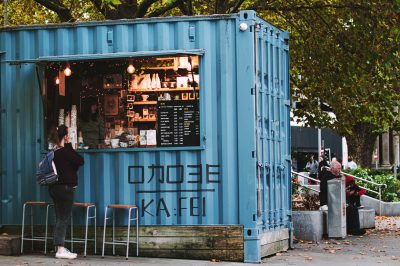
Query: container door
x,y
1,139
273,128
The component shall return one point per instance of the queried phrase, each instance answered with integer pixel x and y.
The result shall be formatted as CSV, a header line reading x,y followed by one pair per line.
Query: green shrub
x,y
389,194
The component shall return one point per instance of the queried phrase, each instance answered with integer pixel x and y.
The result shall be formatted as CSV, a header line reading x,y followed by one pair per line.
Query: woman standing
x,y
67,163
91,124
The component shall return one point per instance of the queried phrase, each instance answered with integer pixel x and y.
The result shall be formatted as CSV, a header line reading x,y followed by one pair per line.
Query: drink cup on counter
x,y
115,143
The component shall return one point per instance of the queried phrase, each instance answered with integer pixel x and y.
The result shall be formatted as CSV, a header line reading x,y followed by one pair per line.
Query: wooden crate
x,y
10,244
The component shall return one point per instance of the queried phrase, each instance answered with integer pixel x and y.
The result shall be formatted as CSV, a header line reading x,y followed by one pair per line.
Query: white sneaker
x,y
323,208
66,254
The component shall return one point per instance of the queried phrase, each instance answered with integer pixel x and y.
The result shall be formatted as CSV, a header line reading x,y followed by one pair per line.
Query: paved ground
x,y
380,246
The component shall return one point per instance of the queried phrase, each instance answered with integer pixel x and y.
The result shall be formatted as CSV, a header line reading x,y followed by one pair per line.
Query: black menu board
x,y
178,123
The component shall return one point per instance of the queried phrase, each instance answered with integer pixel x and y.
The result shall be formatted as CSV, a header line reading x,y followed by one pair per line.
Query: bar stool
x,y
114,242
73,240
32,204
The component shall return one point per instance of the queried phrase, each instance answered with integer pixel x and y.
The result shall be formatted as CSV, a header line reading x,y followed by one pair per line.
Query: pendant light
x,y
67,71
131,69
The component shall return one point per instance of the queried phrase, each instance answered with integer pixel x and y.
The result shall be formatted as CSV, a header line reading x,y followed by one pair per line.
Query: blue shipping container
x,y
240,172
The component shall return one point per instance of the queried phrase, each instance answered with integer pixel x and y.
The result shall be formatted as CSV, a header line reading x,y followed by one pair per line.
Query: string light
x,y
67,71
57,80
130,69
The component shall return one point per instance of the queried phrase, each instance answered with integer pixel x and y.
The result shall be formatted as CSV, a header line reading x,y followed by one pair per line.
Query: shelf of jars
x,y
164,89
134,119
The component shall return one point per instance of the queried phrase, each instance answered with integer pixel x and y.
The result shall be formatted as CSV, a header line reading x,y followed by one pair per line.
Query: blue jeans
x,y
63,198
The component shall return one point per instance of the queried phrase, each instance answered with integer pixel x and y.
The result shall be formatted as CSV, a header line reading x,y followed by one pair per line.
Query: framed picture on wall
x,y
111,104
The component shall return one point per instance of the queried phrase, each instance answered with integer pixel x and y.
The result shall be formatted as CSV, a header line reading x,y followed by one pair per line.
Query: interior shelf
x,y
144,119
163,89
145,103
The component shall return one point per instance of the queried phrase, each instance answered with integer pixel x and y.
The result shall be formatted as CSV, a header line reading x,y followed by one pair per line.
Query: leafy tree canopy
x,y
344,53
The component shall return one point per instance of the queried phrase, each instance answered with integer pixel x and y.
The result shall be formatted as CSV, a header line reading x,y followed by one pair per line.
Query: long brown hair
x,y
58,133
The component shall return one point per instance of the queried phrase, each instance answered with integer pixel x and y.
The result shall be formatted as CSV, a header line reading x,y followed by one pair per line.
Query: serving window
x,y
145,102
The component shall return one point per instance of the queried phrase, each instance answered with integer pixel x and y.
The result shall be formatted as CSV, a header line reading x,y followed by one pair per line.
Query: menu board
x,y
178,123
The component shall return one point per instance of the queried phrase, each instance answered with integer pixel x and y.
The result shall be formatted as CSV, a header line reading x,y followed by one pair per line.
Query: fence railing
x,y
306,177
377,192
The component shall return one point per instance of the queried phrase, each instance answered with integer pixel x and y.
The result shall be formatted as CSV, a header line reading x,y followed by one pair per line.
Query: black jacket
x,y
67,162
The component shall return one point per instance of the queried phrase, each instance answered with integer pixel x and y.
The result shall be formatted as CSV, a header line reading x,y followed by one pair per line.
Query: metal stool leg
x,y
47,225
95,229
129,230
126,242
113,230
86,229
137,232
104,231
31,208
23,228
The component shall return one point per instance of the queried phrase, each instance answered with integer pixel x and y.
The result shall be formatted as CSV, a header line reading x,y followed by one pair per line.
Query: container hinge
x,y
252,91
192,33
253,154
287,102
110,37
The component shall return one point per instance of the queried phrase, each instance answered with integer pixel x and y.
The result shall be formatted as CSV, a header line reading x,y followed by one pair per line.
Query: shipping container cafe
x,y
193,127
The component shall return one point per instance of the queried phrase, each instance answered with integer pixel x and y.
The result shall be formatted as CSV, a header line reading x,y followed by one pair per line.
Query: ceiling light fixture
x,y
131,69
67,71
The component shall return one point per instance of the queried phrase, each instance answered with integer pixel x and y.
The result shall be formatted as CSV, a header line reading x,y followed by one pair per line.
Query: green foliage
x,y
112,4
344,53
389,194
18,13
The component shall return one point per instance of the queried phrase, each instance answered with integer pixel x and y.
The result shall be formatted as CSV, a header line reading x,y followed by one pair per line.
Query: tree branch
x,y
162,10
62,11
307,7
143,8
236,7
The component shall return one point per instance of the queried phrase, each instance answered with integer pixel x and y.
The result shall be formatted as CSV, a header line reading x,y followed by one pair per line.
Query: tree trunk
x,y
361,144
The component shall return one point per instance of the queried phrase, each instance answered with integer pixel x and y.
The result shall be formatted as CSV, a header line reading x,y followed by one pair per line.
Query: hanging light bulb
x,y
67,71
57,80
131,69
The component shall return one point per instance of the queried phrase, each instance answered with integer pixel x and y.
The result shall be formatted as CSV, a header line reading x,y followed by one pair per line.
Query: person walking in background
x,y
67,162
312,168
322,163
351,164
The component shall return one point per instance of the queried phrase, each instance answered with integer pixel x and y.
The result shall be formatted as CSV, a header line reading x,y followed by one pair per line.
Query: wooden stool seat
x,y
36,203
121,206
83,204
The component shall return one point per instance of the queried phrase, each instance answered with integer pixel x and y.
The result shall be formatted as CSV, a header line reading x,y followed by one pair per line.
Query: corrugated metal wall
x,y
216,183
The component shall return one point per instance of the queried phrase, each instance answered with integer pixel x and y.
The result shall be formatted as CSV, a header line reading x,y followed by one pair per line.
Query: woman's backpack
x,y
46,173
